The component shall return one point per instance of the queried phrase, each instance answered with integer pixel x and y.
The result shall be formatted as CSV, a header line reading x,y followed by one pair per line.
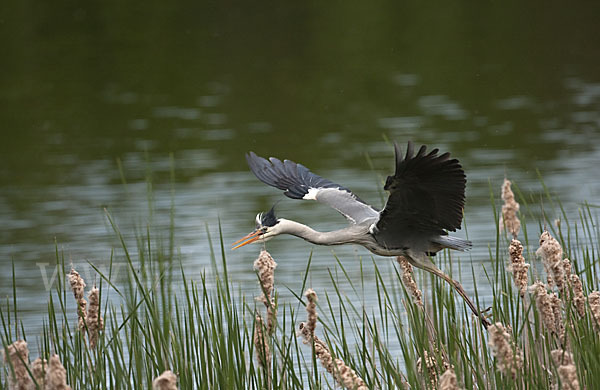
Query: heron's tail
x,y
456,243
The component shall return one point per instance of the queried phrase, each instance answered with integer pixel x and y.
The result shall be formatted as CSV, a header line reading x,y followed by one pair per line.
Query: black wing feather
x,y
427,196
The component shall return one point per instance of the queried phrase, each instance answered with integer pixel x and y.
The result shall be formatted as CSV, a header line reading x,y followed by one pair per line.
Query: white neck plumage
x,y
336,237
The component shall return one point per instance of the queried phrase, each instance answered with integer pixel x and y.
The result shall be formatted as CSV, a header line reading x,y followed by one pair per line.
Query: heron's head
x,y
266,228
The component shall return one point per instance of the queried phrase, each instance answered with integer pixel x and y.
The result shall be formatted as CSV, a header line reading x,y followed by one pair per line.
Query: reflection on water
x,y
88,104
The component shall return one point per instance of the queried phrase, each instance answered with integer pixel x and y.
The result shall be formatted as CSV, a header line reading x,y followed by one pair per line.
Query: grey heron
x,y
426,200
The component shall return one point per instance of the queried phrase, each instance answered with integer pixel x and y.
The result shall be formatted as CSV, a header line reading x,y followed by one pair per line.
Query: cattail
x,y
409,281
508,355
78,287
509,218
18,355
38,369
567,269
448,380
94,320
561,357
557,314
518,266
166,381
430,366
578,297
568,377
348,377
343,374
56,375
594,302
263,352
566,369
265,266
543,302
311,310
551,253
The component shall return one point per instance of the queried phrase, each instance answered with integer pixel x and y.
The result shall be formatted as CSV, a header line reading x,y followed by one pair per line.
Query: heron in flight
x,y
426,200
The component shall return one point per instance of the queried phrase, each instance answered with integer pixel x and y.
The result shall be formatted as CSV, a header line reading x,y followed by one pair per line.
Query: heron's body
x,y
361,234
426,201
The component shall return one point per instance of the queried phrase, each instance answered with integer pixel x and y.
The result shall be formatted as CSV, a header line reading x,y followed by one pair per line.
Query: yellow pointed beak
x,y
249,239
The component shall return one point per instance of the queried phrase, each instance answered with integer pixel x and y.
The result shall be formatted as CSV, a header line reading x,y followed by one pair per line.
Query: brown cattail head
x,y
510,208
265,266
518,266
567,269
17,356
347,376
448,380
543,302
263,352
430,366
343,374
594,302
551,253
56,375
578,297
166,381
566,369
557,314
409,281
78,287
94,320
38,369
508,356
561,357
568,377
311,311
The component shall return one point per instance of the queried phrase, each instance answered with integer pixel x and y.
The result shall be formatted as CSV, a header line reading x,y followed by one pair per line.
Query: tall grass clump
x,y
155,326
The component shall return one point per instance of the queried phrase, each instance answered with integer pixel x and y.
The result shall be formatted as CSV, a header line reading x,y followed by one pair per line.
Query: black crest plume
x,y
269,218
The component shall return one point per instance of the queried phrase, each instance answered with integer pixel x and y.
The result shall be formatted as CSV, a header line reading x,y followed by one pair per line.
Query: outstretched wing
x,y
427,196
300,183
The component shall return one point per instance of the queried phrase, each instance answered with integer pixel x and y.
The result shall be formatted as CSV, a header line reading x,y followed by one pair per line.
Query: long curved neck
x,y
336,237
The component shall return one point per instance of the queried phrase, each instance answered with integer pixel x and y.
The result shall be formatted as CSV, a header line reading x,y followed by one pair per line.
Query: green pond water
x,y
508,89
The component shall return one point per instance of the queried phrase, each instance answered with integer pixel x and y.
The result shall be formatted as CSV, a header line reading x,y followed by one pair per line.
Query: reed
x,y
207,334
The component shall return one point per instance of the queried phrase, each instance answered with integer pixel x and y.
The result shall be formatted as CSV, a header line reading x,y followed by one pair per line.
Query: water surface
x,y
508,89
